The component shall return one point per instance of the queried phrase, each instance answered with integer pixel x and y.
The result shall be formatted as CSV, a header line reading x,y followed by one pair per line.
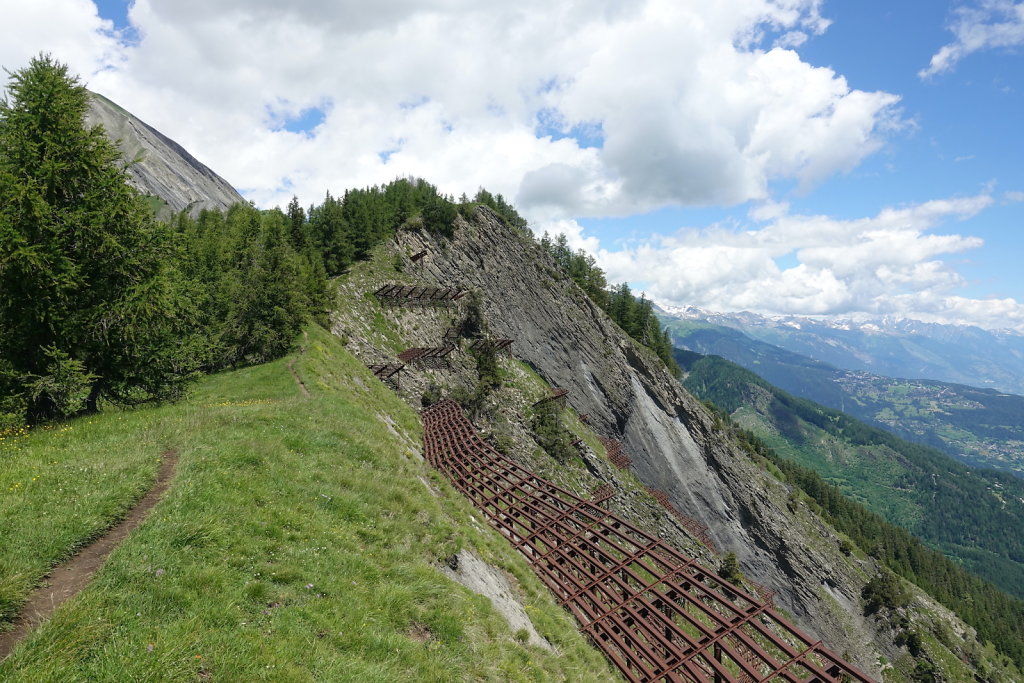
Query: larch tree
x,y
91,306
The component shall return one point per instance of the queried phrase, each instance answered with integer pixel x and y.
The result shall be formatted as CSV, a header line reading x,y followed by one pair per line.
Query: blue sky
x,y
963,136
114,10
967,129
784,156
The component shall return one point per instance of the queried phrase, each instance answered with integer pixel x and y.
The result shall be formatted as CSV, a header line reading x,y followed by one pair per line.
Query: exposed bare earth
x,y
298,380
70,577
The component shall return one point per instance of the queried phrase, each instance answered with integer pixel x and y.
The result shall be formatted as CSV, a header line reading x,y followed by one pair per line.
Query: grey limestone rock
x,y
161,167
670,436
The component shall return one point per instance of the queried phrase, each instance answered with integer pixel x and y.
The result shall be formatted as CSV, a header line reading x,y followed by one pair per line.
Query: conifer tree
x,y
330,235
297,223
90,304
267,306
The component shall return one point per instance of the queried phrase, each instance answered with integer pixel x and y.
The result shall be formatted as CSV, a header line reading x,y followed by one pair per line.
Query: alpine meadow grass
x,y
299,541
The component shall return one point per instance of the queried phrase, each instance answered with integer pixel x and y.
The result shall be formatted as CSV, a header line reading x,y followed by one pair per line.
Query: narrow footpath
x,y
69,578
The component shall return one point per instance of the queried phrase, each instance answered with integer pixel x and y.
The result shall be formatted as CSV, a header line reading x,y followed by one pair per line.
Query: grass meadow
x,y
299,541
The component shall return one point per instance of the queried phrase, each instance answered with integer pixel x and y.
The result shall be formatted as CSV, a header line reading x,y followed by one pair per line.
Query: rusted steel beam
x,y
766,594
556,394
385,370
389,373
615,453
410,354
496,344
699,530
656,613
548,582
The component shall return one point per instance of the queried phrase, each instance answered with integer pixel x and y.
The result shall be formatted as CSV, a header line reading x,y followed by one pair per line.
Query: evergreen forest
x,y
103,303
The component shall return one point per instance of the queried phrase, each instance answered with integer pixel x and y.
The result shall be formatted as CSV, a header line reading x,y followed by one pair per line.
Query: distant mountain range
x,y
889,346
982,427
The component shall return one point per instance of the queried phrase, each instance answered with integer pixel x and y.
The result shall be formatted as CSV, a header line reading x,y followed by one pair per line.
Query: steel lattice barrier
x,y
655,613
618,457
418,295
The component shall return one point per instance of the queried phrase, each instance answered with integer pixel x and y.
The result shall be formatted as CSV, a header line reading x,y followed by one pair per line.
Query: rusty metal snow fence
x,y
417,295
654,612
389,373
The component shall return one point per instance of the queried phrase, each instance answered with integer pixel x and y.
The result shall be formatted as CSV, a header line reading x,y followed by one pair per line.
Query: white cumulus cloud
x,y
571,109
989,24
584,107
891,263
71,30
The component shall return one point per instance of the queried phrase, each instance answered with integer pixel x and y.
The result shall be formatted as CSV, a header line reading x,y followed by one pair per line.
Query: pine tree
x,y
267,305
297,223
91,306
330,235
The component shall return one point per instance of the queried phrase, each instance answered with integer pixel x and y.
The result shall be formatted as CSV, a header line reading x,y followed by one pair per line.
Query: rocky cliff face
x,y
164,169
669,435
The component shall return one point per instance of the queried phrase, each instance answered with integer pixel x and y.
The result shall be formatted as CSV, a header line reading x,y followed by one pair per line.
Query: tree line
x,y
635,315
100,302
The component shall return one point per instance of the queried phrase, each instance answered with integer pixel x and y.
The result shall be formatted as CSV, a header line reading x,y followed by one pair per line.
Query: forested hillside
x,y
981,427
974,515
851,468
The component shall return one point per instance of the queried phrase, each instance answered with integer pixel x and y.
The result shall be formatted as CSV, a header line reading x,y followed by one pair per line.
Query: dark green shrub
x,y
884,590
550,433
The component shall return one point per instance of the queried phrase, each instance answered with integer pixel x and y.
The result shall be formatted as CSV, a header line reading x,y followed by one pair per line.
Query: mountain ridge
x,y
160,167
892,346
890,322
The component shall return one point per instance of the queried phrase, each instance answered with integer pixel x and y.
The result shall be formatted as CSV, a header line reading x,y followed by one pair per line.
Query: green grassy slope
x,y
298,541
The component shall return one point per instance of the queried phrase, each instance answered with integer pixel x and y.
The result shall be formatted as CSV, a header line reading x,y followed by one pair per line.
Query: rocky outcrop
x,y
160,166
670,436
